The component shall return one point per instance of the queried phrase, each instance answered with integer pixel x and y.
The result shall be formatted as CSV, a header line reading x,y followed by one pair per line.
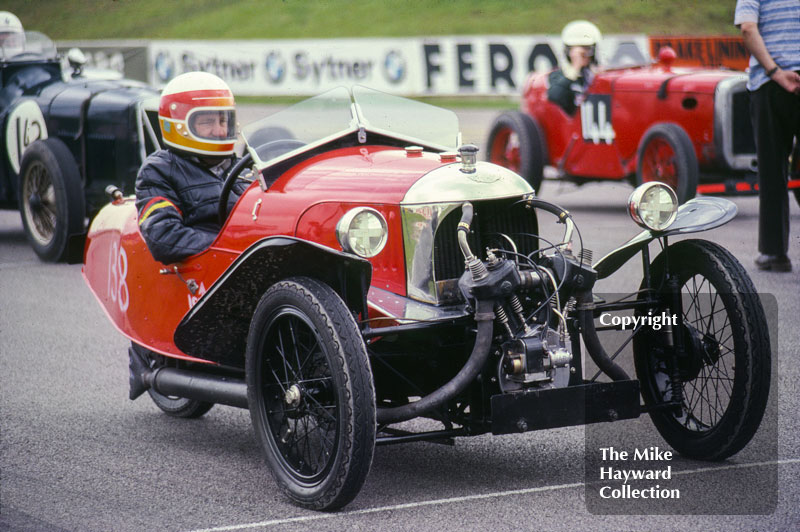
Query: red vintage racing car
x,y
371,275
687,127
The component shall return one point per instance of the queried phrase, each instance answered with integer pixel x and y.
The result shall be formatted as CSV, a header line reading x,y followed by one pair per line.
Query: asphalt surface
x,y
76,454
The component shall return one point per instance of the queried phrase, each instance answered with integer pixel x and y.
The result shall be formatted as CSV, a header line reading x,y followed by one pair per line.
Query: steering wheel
x,y
274,148
267,151
227,186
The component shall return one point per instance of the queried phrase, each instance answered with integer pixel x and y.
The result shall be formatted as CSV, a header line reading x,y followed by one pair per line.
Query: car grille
x,y
491,218
743,141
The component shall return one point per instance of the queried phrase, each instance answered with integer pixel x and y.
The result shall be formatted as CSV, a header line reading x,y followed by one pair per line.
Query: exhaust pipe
x,y
184,383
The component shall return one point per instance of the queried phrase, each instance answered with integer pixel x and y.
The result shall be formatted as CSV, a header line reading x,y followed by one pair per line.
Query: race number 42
x,y
25,124
596,119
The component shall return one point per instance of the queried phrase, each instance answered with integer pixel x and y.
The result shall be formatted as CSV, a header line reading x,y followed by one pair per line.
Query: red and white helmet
x,y
188,104
12,36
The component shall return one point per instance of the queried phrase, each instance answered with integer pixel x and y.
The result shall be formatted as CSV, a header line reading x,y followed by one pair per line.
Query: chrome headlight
x,y
653,205
362,231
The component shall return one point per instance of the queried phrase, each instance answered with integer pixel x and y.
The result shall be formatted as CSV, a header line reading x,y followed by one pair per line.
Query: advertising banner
x,y
291,67
709,52
440,66
130,59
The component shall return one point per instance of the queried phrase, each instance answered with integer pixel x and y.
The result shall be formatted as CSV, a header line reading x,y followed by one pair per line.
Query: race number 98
x,y
117,276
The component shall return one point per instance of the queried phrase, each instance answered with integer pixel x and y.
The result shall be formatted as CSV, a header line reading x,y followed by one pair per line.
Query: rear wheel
x,y
171,405
725,377
516,142
51,199
311,395
666,154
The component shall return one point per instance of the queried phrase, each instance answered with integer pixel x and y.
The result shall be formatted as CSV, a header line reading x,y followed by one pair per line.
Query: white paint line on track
x,y
435,502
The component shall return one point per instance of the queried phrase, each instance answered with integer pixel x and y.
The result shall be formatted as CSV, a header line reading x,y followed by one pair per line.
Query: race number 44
x,y
596,119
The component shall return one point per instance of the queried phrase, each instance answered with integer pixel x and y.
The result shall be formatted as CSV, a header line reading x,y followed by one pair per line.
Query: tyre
x,y
171,405
311,395
666,154
51,198
517,143
726,376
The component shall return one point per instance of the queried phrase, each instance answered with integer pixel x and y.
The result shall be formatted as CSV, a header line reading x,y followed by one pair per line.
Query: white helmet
x,y
581,33
12,36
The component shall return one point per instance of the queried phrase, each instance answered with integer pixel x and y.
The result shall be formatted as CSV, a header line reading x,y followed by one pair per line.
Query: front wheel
x,y
51,198
725,376
666,154
516,142
311,394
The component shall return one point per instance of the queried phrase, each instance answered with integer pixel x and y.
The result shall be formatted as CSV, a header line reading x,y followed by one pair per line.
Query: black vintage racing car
x,y
67,137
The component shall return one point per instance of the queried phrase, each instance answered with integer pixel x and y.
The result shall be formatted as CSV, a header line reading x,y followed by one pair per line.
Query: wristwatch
x,y
772,71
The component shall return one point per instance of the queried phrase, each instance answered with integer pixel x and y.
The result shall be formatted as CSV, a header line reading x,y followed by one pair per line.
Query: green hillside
x,y
245,19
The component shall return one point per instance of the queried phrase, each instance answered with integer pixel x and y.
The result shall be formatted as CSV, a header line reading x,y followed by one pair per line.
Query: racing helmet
x,y
12,36
581,33
197,114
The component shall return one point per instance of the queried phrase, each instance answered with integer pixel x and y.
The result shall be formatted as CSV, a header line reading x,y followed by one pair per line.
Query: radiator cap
x,y
469,156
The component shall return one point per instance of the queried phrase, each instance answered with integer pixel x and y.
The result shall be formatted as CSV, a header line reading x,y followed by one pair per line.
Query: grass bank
x,y
287,19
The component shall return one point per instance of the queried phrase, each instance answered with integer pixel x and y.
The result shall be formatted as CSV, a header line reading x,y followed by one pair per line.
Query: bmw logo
x,y
165,66
276,67
394,67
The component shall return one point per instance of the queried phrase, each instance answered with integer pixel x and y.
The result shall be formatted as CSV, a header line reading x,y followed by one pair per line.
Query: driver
x,y
12,37
178,189
580,38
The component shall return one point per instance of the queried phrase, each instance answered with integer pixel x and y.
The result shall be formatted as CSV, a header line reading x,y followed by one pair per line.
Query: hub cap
x,y
39,205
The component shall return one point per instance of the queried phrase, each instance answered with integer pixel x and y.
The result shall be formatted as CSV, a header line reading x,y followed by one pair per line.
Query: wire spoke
x,y
297,375
323,407
311,352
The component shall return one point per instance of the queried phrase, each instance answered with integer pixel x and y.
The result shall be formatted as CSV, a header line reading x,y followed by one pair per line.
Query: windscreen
x,y
342,111
405,118
26,46
311,121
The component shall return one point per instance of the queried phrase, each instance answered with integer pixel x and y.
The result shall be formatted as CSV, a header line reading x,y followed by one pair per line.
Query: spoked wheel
x,y
725,378
666,154
311,394
51,198
516,142
171,405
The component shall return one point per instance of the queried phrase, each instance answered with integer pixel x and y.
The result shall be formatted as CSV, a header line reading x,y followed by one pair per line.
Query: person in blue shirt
x,y
771,32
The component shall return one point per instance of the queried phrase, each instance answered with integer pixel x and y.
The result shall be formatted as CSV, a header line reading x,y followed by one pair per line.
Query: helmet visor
x,y
213,124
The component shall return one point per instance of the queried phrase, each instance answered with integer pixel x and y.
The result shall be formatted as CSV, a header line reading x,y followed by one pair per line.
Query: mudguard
x,y
216,328
694,216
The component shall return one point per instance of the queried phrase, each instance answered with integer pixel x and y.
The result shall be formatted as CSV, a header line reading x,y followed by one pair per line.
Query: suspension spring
x,y
502,317
516,306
